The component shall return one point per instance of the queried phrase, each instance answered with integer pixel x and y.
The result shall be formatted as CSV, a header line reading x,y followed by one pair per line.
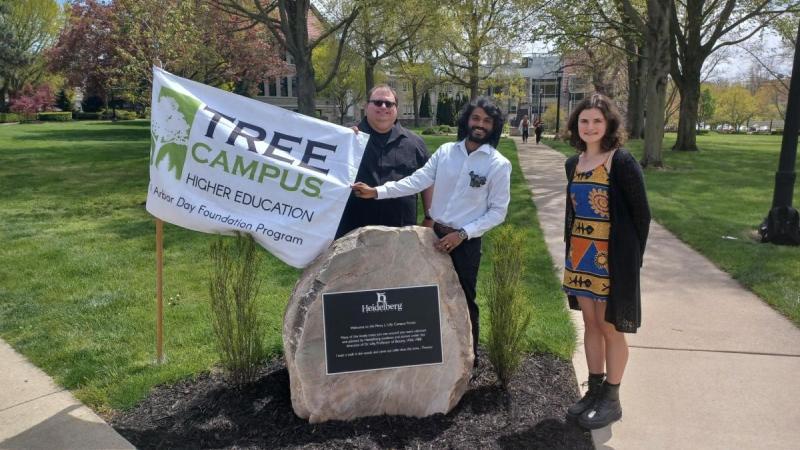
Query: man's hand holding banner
x,y
221,163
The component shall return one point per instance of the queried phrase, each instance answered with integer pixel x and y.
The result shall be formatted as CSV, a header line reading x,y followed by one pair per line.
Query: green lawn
x,y
77,271
725,190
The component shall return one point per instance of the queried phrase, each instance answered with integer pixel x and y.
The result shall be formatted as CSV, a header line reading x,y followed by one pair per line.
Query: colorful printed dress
x,y
586,268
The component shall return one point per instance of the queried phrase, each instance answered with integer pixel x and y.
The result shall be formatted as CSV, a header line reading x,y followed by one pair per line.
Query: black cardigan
x,y
630,224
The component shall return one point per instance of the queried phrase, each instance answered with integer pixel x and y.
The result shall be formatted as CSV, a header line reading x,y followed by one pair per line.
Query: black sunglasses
x,y
385,103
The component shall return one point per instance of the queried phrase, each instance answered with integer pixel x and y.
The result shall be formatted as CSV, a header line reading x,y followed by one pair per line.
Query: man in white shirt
x,y
471,190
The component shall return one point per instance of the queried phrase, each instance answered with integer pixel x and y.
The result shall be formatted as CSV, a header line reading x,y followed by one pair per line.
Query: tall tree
x,y
735,106
654,28
114,45
414,62
27,30
604,41
707,106
700,28
347,88
86,51
288,21
479,36
383,29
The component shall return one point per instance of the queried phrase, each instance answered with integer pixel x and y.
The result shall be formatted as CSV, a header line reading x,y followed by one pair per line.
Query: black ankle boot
x,y
595,388
605,411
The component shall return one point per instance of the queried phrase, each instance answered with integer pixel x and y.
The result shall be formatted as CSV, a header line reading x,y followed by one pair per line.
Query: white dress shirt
x,y
461,200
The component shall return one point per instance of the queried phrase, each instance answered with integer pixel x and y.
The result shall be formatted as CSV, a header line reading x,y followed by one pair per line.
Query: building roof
x,y
540,66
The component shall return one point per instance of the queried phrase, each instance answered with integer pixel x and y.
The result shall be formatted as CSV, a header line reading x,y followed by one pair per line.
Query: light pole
x,y
782,225
540,109
560,74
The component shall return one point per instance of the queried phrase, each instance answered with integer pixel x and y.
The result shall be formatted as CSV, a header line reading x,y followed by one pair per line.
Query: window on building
x,y
273,89
284,87
261,89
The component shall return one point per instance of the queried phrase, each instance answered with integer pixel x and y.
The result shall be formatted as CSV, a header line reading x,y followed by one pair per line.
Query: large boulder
x,y
376,258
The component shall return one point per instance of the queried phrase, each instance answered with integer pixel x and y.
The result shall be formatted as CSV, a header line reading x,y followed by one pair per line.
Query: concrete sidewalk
x,y
713,367
35,413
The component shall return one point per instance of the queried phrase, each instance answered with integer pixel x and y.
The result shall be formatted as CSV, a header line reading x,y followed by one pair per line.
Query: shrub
x,y
702,132
777,131
9,117
429,130
234,284
56,116
65,98
93,103
86,115
32,99
445,129
509,314
121,114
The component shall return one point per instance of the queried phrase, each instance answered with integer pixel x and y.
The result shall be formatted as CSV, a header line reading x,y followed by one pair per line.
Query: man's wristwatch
x,y
462,234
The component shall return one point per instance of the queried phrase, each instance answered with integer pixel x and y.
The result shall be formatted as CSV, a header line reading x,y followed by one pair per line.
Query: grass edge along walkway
x,y
77,277
714,199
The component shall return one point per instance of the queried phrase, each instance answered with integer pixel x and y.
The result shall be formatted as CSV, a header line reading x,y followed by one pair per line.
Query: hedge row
x,y
67,116
56,116
30,117
9,117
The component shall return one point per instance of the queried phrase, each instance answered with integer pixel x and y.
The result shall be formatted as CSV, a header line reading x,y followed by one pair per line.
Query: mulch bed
x,y
207,413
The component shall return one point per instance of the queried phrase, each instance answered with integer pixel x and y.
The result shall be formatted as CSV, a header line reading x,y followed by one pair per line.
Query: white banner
x,y
221,163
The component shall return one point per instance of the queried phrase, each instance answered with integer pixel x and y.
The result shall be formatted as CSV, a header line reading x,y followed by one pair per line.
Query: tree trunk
x,y
689,88
658,63
635,118
306,88
474,79
416,102
369,74
3,93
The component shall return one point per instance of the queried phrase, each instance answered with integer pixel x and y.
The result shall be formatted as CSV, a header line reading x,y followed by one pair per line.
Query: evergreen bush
x,y
509,312
9,117
77,115
233,287
65,116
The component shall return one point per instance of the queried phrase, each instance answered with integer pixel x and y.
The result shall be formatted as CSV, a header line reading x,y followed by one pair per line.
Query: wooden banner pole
x,y
159,291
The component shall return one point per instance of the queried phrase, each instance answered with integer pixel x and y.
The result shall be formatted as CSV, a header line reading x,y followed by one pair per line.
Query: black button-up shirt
x,y
387,157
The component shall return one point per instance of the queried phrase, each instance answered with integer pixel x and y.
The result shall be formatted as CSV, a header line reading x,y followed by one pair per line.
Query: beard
x,y
476,139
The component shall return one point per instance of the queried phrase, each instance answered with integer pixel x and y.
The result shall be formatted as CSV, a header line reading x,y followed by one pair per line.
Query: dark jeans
x,y
466,260
524,135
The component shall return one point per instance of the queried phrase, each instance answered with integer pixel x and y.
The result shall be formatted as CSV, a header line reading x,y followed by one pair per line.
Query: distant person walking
x,y
538,128
524,124
605,228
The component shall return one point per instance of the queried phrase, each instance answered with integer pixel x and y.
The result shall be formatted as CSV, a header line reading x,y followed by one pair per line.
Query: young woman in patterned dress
x,y
606,226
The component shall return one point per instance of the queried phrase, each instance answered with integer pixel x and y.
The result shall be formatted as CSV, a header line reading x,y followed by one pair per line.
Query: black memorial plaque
x,y
381,329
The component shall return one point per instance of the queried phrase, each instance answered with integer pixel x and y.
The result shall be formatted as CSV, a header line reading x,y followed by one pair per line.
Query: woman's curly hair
x,y
615,133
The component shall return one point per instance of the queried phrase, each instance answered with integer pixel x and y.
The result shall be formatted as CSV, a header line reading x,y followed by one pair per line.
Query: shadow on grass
x,y
124,123
113,133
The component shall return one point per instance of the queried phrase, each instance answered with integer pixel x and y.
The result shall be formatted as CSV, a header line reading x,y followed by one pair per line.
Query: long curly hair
x,y
491,110
615,133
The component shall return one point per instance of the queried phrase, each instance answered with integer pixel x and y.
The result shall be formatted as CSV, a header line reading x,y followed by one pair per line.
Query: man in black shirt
x,y
392,153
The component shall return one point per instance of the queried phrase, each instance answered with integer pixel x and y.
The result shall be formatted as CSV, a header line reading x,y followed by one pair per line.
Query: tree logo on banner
x,y
172,120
